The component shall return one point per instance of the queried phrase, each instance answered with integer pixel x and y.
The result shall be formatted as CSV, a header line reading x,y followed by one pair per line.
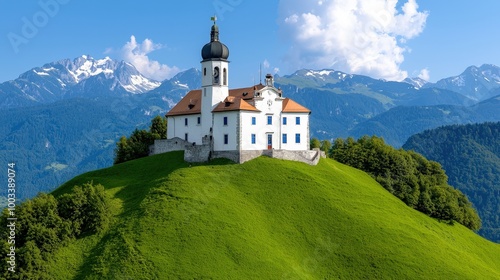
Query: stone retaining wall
x,y
202,153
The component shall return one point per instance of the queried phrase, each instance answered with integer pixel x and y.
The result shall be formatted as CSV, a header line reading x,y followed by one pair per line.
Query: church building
x,y
239,124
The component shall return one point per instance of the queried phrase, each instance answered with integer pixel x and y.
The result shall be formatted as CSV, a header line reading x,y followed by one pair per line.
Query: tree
x,y
326,145
137,145
86,207
122,151
315,143
420,183
134,147
159,127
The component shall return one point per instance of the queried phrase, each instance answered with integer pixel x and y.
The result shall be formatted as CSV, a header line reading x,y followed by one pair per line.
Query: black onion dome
x,y
215,49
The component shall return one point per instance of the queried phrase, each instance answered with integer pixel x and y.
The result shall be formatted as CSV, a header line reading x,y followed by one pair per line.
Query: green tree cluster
x,y
44,223
137,145
418,182
323,145
470,154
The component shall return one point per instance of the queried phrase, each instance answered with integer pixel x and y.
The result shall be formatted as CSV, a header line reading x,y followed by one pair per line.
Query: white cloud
x,y
425,74
276,70
356,36
266,64
137,54
108,51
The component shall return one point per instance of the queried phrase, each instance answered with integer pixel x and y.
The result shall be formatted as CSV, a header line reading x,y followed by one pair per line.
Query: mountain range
x,y
82,77
65,117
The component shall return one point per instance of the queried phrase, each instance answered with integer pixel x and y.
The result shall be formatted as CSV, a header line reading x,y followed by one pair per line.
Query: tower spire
x,y
214,35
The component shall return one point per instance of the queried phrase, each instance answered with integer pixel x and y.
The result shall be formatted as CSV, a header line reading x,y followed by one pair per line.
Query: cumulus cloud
x,y
267,66
425,74
356,36
137,54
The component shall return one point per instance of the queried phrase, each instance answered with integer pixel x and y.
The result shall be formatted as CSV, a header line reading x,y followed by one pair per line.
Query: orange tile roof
x,y
236,101
245,93
232,103
189,105
290,106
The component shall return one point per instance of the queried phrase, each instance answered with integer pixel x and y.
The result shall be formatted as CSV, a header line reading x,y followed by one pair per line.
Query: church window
x,y
253,139
297,138
254,121
269,120
284,120
284,138
226,139
199,120
186,121
297,120
186,137
204,71
225,120
225,76
216,78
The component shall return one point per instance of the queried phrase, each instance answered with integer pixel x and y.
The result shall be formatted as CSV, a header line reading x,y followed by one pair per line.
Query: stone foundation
x,y
203,153
309,157
168,145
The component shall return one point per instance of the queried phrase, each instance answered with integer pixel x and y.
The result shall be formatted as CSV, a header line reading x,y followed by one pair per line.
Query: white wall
x,y
259,129
177,128
291,129
231,129
240,129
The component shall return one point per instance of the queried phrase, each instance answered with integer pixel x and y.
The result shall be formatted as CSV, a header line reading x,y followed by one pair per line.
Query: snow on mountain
x,y
416,82
70,78
477,83
86,66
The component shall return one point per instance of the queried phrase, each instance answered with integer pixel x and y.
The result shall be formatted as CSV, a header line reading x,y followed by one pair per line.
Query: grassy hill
x,y
265,219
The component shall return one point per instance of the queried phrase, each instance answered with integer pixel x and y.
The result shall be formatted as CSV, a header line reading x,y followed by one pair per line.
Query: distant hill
x,y
470,154
347,105
264,219
54,142
398,124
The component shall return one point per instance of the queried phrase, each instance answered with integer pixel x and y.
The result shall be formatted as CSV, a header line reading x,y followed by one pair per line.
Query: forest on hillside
x,y
470,154
418,182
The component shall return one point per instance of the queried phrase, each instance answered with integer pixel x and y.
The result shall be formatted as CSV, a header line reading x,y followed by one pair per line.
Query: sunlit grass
x,y
265,219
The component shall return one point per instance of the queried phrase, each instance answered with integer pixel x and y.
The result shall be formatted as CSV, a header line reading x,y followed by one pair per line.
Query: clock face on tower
x,y
216,75
269,102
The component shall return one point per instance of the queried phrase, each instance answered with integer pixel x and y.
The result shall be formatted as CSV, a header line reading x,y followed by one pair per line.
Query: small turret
x,y
269,80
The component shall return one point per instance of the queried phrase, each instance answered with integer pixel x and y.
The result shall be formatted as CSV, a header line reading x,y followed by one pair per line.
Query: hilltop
x,y
264,219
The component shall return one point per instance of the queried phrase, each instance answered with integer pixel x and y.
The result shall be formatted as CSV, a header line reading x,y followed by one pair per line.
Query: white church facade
x,y
239,124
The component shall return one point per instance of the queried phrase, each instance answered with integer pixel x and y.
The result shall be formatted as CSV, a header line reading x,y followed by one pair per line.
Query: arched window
x,y
225,76
216,78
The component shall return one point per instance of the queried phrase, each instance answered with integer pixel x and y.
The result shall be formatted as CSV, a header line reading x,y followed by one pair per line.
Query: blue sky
x,y
382,38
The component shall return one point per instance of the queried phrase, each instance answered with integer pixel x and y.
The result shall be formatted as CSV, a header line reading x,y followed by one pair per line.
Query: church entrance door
x,y
269,141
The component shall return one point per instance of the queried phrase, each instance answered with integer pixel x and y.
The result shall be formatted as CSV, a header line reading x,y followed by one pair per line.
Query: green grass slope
x,y
265,219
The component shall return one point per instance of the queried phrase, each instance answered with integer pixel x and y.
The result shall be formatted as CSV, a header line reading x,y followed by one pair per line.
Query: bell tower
x,y
215,72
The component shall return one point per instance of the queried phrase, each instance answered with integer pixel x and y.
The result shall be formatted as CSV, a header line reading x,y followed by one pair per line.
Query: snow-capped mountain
x,y
70,78
173,90
416,82
477,83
